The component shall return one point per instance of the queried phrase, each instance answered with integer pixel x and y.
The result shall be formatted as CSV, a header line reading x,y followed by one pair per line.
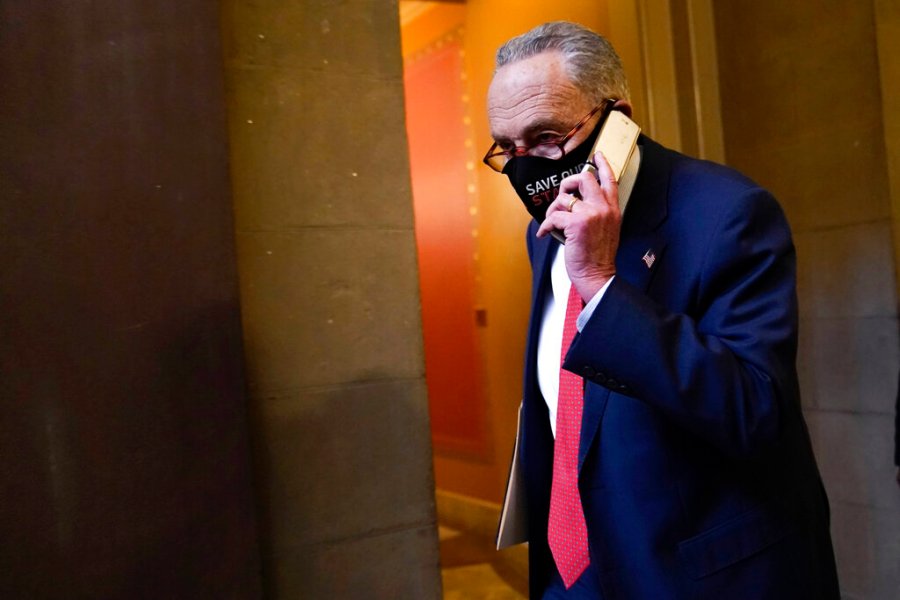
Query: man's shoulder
x,y
689,171
698,184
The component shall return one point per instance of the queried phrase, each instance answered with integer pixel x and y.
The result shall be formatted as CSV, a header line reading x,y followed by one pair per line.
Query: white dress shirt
x,y
554,314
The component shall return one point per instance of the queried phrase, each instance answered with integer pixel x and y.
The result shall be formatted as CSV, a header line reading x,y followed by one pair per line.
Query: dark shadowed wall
x,y
124,462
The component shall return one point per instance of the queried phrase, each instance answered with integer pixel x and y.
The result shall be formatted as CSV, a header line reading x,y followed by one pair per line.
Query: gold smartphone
x,y
617,141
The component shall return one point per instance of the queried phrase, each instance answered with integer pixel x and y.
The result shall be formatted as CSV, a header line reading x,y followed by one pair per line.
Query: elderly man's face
x,y
533,101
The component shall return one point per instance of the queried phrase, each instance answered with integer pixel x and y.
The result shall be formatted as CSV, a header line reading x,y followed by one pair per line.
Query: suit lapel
x,y
641,244
542,252
641,249
638,258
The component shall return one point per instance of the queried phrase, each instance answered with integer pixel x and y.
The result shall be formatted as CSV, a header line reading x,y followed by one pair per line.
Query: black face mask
x,y
536,179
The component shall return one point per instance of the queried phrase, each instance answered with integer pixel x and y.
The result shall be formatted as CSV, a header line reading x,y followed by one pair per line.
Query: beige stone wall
x,y
804,113
887,24
330,301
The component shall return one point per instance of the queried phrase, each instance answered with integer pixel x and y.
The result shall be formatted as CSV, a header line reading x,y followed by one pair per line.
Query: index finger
x,y
605,174
584,185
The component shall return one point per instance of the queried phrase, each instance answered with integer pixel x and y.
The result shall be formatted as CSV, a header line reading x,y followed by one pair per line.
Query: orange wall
x,y
422,32
442,169
502,274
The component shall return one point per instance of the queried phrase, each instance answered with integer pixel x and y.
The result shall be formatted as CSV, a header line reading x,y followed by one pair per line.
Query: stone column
x,y
329,294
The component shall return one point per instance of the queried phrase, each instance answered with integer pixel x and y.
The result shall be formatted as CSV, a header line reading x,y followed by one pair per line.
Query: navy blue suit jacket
x,y
696,471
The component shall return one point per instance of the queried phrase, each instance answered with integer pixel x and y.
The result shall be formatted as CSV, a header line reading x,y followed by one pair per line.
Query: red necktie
x,y
567,530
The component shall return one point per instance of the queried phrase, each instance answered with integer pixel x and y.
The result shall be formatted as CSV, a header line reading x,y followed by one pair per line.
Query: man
x,y
668,457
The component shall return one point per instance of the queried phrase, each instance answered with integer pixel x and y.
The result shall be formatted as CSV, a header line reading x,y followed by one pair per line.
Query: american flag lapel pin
x,y
649,258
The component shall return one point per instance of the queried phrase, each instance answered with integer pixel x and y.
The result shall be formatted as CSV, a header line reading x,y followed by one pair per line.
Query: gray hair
x,y
590,59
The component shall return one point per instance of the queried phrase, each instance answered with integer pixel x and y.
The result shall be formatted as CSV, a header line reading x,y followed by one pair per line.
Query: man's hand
x,y
587,212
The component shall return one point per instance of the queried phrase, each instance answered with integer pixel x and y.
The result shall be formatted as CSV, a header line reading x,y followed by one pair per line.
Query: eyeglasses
x,y
496,157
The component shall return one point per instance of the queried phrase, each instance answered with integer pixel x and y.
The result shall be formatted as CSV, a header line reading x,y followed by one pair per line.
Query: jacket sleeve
x,y
726,372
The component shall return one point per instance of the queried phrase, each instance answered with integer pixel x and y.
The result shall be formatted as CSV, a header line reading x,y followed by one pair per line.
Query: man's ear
x,y
624,106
